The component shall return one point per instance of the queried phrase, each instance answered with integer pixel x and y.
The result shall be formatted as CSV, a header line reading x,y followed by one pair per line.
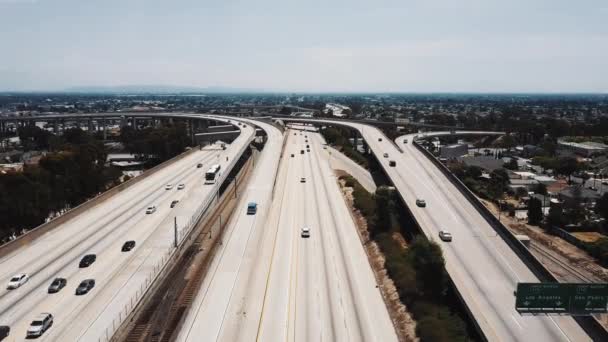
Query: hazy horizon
x,y
338,46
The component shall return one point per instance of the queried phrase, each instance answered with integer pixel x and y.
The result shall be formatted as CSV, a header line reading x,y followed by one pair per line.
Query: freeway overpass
x,y
483,266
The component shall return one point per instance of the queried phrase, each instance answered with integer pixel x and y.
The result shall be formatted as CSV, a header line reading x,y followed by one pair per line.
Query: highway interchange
x,y
267,282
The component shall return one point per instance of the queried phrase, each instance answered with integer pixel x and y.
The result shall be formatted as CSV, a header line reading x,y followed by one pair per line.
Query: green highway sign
x,y
589,298
577,299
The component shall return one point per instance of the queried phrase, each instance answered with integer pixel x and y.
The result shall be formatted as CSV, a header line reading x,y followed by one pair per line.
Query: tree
x,y
535,211
511,164
566,166
540,188
383,209
555,217
427,259
601,206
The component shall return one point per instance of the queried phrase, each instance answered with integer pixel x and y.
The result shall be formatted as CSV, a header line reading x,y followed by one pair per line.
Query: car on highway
x,y
385,155
444,235
87,260
392,163
85,286
168,186
128,246
292,155
17,280
301,151
379,139
39,325
252,208
199,165
307,146
174,203
57,285
405,141
305,233
421,203
151,209
303,180
307,150
5,330
181,186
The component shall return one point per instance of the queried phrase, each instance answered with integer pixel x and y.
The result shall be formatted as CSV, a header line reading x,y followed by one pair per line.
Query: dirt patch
x,y
588,236
404,323
576,256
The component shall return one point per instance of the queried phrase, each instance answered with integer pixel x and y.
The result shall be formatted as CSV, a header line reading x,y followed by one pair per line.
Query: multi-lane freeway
x,y
120,276
267,281
283,286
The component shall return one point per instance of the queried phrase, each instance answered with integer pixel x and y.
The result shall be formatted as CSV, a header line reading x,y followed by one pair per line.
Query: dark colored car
x,y
87,260
292,155
85,286
5,330
199,165
307,146
392,163
57,285
174,203
127,246
301,151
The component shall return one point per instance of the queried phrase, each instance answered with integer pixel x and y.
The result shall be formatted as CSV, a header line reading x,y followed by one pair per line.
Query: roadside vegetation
x,y
418,270
65,177
155,144
339,137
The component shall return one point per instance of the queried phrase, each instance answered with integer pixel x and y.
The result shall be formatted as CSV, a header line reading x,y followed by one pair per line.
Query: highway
x,y
120,276
286,287
483,267
238,248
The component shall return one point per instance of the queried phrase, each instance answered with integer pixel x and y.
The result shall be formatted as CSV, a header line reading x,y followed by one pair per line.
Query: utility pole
x,y
175,230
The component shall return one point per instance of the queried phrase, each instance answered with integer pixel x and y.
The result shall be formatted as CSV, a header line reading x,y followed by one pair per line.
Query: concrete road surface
x,y
120,276
206,316
483,267
291,288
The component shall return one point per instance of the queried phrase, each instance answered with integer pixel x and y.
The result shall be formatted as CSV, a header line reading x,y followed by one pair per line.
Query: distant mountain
x,y
157,89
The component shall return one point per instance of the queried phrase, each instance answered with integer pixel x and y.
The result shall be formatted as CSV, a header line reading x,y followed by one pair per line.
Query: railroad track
x,y
565,265
162,315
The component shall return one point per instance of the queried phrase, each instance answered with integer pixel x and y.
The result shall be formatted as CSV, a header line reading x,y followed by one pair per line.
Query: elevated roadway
x,y
483,267
120,277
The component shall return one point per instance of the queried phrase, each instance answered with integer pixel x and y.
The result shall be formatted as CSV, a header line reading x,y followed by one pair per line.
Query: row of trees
x,y
61,180
158,144
418,271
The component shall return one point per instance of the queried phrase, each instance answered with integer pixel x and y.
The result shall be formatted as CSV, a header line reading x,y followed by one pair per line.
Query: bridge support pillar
x,y
90,125
105,129
55,126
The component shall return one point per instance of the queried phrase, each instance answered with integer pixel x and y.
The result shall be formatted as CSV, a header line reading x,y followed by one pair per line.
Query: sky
x,y
308,45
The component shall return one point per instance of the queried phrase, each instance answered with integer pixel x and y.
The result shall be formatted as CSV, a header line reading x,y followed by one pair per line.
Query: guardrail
x,y
589,323
46,227
182,233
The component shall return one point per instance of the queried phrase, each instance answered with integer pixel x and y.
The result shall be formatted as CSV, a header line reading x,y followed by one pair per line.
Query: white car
x,y
17,280
444,235
181,186
168,186
39,325
151,209
305,232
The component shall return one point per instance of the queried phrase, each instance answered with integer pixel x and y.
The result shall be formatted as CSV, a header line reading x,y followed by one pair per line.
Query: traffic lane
x,y
136,275
496,249
368,304
274,318
50,245
513,267
54,267
250,293
207,315
110,258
